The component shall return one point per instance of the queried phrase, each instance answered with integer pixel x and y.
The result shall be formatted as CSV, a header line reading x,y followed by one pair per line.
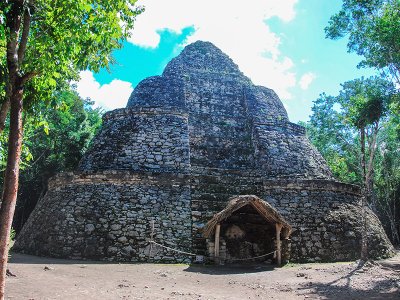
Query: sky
x,y
278,44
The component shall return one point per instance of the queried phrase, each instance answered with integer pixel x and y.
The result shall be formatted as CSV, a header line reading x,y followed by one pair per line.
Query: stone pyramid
x,y
187,141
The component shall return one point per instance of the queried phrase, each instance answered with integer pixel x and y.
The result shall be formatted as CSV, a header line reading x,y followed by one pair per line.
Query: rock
x,y
89,228
115,227
10,274
122,239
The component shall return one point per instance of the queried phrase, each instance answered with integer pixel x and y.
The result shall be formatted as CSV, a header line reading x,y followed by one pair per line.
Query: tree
x,y
365,103
346,130
387,177
54,146
334,138
373,27
46,43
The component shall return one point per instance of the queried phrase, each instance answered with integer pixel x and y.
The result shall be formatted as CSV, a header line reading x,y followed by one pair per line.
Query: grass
x,y
291,265
315,264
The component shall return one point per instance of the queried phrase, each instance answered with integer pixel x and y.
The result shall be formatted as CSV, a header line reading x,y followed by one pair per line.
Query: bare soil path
x,y
48,278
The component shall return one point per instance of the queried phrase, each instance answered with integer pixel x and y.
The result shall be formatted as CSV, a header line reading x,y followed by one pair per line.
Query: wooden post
x,y
216,244
278,243
151,238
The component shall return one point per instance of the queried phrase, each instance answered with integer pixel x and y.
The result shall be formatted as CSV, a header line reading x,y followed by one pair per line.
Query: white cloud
x,y
109,96
306,80
238,28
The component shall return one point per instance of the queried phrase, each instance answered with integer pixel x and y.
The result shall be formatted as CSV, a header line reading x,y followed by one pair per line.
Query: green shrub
x,y
12,234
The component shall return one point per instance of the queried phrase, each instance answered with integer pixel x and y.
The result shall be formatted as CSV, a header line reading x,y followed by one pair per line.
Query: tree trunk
x,y
368,182
10,187
364,242
16,47
392,221
18,57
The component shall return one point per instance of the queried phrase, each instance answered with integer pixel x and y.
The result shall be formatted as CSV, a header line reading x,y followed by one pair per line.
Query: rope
x,y
255,257
172,249
192,254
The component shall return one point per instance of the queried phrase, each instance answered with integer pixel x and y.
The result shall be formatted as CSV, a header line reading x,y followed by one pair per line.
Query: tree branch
x,y
5,107
24,35
41,155
28,76
13,18
13,22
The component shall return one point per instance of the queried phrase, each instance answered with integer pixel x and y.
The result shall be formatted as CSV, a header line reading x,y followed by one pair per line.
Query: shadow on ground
x,y
344,287
19,258
229,269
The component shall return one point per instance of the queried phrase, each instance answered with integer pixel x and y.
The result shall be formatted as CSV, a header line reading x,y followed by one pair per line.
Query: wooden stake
x,y
151,238
278,243
216,244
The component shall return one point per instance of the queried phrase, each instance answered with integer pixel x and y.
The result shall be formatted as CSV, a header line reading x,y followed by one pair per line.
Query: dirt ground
x,y
47,278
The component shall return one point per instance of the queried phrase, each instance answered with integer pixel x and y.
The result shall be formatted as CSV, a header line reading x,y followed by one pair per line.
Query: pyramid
x,y
187,141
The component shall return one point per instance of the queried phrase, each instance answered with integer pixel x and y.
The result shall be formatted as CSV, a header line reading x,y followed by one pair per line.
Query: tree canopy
x,y
54,40
358,131
373,28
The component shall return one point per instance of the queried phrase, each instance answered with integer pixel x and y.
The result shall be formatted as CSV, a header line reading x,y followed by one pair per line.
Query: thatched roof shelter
x,y
270,214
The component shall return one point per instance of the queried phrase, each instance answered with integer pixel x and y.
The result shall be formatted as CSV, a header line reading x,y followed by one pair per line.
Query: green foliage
x,y
365,101
334,138
12,238
334,128
373,27
12,234
370,106
54,141
57,135
66,36
60,136
335,121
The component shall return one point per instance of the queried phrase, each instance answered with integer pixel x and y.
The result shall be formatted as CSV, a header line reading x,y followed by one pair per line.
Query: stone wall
x,y
280,152
232,124
220,133
108,216
324,214
326,218
158,91
137,139
264,105
201,57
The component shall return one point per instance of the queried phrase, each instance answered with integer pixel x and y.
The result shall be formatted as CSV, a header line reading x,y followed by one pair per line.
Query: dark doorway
x,y
248,235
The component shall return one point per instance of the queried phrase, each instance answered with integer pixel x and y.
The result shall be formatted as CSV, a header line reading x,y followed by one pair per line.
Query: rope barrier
x,y
254,257
172,249
193,254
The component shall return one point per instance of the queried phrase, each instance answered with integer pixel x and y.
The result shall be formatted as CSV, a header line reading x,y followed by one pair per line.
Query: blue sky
x,y
278,44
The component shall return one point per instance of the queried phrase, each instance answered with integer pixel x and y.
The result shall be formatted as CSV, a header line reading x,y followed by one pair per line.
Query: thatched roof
x,y
263,208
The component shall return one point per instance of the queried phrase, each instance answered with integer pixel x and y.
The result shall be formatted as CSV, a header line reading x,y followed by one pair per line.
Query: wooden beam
x,y
278,243
216,244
